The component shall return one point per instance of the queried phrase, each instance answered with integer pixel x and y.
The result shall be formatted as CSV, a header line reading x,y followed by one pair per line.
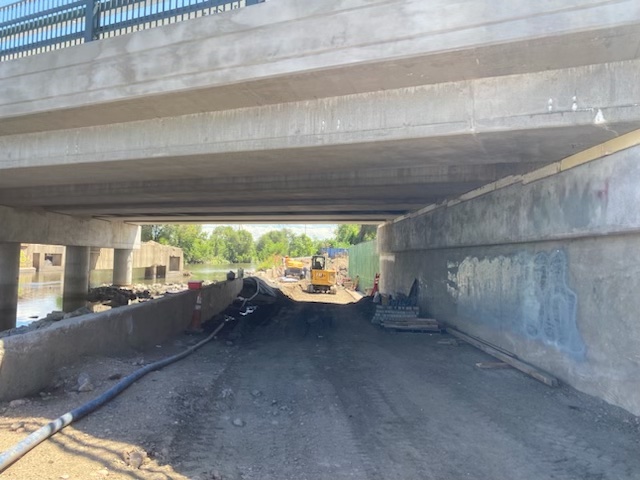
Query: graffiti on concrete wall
x,y
525,294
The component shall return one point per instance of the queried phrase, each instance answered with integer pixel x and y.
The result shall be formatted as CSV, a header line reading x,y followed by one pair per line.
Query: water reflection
x,y
41,293
216,272
38,294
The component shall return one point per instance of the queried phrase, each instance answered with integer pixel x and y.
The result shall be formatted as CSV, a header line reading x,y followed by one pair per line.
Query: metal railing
x,y
30,27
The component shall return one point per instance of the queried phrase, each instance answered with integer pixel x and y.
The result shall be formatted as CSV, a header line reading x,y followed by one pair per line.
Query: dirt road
x,y
314,391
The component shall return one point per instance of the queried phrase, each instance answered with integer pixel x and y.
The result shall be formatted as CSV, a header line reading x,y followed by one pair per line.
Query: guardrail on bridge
x,y
30,27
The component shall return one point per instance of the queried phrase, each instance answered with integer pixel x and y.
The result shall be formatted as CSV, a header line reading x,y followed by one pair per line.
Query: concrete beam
x,y
38,226
373,218
293,50
411,196
287,185
598,98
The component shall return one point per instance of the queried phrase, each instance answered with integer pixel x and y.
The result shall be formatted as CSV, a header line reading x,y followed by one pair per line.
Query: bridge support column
x,y
9,272
76,278
122,267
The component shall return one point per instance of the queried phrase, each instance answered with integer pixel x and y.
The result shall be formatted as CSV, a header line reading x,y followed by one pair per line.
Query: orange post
x,y
196,318
376,283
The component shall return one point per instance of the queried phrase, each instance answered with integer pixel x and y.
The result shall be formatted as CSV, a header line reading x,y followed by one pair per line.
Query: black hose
x,y
9,457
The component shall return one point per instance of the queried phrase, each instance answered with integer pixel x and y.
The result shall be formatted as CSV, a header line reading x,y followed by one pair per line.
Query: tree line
x,y
232,245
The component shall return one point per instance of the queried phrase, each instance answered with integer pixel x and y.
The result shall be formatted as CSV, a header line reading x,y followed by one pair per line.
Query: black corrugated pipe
x,y
9,457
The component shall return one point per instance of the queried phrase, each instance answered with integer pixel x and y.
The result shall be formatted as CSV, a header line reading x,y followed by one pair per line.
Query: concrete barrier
x,y
29,362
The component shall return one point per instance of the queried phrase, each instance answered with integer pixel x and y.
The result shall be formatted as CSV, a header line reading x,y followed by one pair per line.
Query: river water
x,y
41,293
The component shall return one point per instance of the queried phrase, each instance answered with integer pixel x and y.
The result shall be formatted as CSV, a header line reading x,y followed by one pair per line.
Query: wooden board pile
x,y
403,318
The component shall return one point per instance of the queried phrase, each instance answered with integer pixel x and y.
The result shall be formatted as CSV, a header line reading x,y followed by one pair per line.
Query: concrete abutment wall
x,y
29,362
545,266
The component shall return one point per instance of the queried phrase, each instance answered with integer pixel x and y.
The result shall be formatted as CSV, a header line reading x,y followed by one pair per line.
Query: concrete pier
x,y
122,267
9,272
76,278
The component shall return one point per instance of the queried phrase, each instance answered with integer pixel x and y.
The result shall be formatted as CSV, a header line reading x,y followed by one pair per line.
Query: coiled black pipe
x,y
9,457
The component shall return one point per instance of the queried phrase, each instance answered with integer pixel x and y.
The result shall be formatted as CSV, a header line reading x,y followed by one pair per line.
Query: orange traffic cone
x,y
196,318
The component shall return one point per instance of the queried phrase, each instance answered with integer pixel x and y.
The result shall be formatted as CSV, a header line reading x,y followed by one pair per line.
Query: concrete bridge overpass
x,y
359,111
341,111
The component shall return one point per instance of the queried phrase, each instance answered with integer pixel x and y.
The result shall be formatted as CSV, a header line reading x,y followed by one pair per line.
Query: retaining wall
x,y
29,362
545,266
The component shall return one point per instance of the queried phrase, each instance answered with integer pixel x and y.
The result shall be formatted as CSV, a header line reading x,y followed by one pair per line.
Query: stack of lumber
x,y
392,312
414,325
403,318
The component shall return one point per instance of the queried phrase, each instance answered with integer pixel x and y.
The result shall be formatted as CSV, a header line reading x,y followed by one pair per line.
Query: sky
x,y
315,231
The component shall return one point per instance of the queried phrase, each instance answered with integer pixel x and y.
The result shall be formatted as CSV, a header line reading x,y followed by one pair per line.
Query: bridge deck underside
x,y
292,111
366,182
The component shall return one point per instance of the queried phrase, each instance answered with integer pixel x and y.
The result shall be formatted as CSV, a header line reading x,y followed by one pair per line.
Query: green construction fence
x,y
365,263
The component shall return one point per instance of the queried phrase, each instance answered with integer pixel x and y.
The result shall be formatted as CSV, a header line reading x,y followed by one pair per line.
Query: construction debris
x,y
530,370
415,325
403,318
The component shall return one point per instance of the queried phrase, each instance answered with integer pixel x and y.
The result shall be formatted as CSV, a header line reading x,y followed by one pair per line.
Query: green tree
x,y
223,245
346,235
352,234
190,238
367,233
151,232
302,246
236,246
274,242
246,247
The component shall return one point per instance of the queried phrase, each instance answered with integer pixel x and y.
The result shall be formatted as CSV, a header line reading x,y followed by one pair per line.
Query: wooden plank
x,y
419,324
530,370
425,328
413,319
492,365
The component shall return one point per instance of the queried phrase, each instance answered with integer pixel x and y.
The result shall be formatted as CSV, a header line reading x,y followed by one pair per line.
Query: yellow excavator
x,y
322,279
293,268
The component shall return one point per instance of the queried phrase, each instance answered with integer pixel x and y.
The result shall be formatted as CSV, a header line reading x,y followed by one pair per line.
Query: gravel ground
x,y
312,390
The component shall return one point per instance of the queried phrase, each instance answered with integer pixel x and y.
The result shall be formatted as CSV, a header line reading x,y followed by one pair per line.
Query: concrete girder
x,y
426,178
292,50
595,98
273,217
39,226
268,207
529,118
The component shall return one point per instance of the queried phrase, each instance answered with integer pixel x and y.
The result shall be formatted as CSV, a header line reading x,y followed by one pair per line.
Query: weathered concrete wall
x,y
149,254
29,362
217,297
44,258
547,270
